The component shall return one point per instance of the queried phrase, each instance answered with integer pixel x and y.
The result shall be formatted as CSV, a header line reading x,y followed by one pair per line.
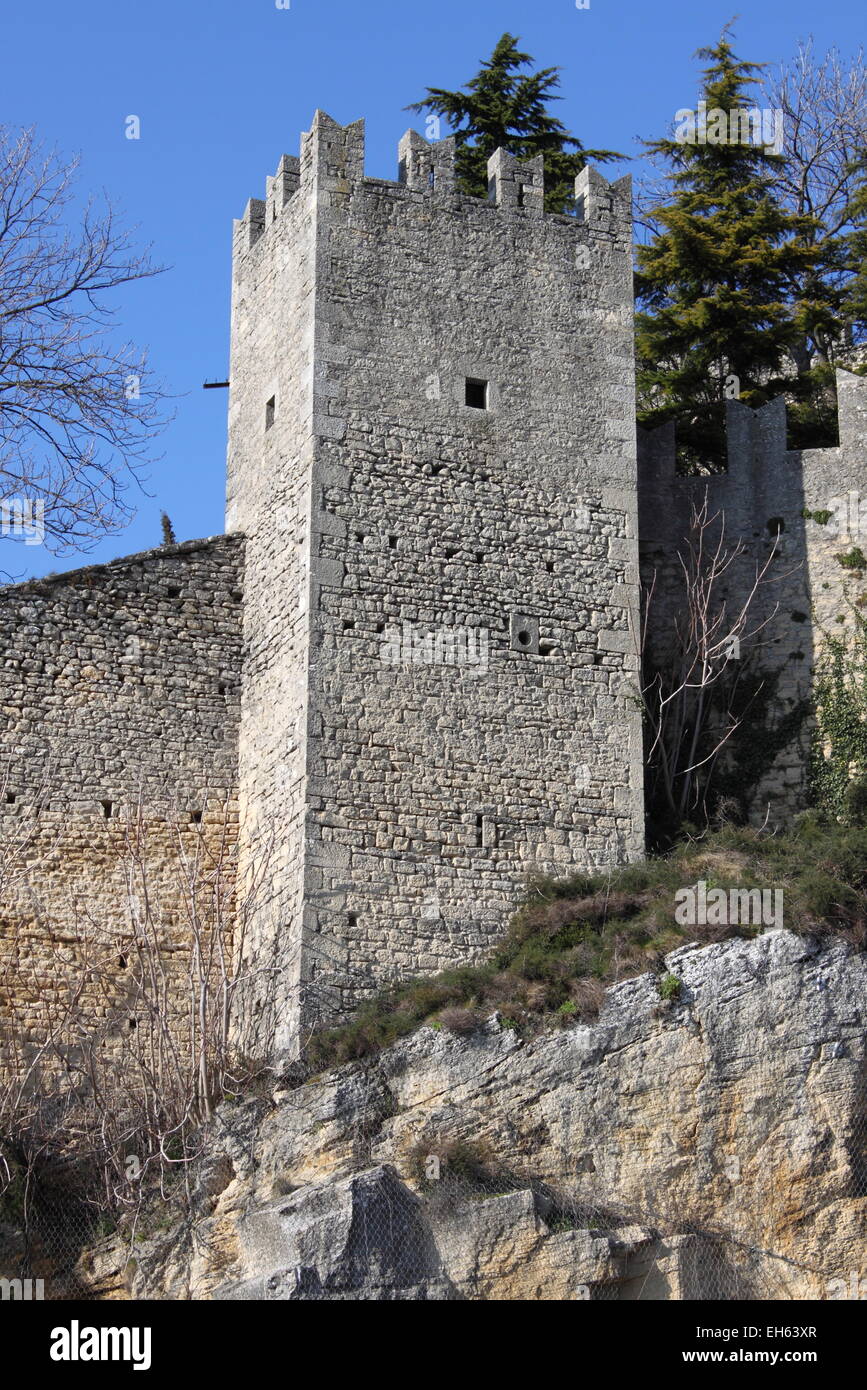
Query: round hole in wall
x,y
524,638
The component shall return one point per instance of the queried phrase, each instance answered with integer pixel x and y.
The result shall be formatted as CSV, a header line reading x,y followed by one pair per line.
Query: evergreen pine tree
x,y
714,286
505,107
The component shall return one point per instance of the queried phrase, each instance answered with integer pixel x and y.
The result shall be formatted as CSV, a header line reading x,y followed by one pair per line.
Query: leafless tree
x,y
689,693
77,409
824,104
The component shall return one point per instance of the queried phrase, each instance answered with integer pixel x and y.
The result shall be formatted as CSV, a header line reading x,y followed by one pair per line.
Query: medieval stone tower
x,y
331,745
432,458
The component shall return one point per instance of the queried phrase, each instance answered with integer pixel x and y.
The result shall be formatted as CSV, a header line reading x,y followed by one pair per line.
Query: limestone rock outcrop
x,y
712,1146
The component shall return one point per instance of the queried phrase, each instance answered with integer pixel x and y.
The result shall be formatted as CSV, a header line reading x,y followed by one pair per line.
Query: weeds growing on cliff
x,y
572,937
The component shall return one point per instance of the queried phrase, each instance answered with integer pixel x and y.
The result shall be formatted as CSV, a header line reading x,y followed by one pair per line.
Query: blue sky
x,y
222,89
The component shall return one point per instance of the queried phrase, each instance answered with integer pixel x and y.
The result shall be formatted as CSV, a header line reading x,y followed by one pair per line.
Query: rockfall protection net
x,y
451,1220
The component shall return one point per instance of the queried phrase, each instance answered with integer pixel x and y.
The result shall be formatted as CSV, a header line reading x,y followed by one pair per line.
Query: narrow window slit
x,y
476,393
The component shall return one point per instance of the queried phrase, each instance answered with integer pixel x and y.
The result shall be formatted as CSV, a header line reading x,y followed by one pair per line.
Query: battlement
x,y
756,441
515,183
331,166
426,167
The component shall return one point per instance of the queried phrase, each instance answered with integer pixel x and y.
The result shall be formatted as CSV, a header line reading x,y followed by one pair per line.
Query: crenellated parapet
x,y
757,453
331,169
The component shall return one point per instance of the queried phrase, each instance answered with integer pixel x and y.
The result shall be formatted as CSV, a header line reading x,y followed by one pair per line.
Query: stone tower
x,y
432,456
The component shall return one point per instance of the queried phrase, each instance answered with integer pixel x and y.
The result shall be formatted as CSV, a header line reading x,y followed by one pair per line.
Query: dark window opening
x,y
476,393
380,627
436,468
401,171
270,411
221,690
173,591
132,1024
480,557
121,962
348,623
525,638
392,542
450,552
480,831
107,809
549,566
432,178
360,536
352,919
196,817
521,195
10,798
546,648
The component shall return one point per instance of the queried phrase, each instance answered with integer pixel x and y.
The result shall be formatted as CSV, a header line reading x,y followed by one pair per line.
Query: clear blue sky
x,y
223,88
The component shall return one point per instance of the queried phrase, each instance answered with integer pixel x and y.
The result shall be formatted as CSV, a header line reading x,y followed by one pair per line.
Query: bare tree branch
x,y
689,698
78,411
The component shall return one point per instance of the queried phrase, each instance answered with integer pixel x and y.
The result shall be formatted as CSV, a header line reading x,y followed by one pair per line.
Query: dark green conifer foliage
x,y
716,318
506,107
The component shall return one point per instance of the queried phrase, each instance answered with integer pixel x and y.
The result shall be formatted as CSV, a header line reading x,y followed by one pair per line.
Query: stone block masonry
x,y
120,694
431,430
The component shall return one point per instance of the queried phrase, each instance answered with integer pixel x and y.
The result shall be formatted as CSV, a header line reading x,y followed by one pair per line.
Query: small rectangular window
x,y
270,408
476,393
521,198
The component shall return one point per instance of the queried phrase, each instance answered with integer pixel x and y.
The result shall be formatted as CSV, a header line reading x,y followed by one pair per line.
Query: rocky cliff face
x,y
710,1147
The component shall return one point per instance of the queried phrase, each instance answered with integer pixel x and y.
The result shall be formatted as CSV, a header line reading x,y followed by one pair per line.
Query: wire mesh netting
x,y
454,1216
